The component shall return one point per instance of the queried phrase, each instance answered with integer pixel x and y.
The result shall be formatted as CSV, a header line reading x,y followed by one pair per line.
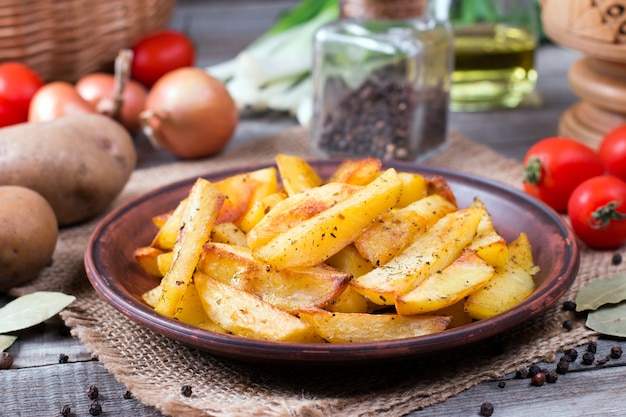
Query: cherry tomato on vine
x,y
612,151
159,53
18,84
597,211
554,166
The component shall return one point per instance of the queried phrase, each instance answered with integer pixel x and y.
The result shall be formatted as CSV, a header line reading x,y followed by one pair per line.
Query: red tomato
x,y
9,113
613,152
159,53
597,211
18,84
554,166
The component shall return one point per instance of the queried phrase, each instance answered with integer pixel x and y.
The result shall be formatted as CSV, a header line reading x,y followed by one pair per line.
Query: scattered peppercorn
x,y
592,347
538,379
66,410
521,373
186,390
501,384
92,392
588,358
616,352
569,306
567,325
616,259
571,354
6,360
95,409
551,377
486,409
63,358
562,367
533,370
128,395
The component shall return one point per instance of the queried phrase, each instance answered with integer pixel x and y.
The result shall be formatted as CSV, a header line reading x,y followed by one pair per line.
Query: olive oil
x,y
494,67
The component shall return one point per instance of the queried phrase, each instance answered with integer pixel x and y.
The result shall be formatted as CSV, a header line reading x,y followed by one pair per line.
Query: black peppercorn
x,y
616,352
186,390
63,358
521,373
6,360
538,379
592,347
95,409
66,410
562,367
533,370
486,409
616,259
552,376
571,354
567,325
501,384
569,306
92,392
128,395
588,358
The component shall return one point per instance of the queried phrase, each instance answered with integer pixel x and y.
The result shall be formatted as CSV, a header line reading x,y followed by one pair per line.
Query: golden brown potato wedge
x,y
203,206
430,252
241,190
147,258
318,238
488,243
228,233
357,171
296,209
509,286
247,315
165,238
358,327
446,287
296,173
258,210
414,187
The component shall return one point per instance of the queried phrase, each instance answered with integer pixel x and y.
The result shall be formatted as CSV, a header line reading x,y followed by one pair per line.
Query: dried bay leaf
x,y
6,341
600,292
609,320
32,309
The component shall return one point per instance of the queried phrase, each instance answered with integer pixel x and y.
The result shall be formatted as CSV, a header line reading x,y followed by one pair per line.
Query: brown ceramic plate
x,y
120,281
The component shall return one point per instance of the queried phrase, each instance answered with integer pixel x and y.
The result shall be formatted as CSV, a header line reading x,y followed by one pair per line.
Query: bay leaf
x,y
609,320
599,292
31,309
6,341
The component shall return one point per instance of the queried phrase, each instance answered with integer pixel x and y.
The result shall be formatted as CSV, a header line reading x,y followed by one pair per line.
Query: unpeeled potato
x,y
79,163
28,232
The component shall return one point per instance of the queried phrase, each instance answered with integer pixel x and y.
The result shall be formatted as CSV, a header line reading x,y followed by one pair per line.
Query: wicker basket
x,y
66,39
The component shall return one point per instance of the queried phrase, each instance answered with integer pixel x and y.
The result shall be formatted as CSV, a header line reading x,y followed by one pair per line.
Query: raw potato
x,y
78,163
28,232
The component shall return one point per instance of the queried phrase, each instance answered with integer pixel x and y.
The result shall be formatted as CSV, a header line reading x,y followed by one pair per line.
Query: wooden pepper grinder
x,y
597,28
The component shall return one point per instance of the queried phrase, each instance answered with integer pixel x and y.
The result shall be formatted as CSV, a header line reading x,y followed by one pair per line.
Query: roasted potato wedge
x,y
488,243
296,173
357,171
147,258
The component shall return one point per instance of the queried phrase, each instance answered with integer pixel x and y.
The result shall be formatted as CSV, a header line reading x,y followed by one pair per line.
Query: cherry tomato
x,y
597,211
613,152
9,113
554,166
159,53
18,84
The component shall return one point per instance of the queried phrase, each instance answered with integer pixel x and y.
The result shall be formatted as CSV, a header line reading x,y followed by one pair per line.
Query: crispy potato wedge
x,y
439,185
147,258
395,231
288,289
318,238
164,262
296,173
358,327
446,287
228,233
488,243
247,315
522,254
296,209
430,252
509,286
414,187
203,206
165,238
350,260
241,190
357,171
258,210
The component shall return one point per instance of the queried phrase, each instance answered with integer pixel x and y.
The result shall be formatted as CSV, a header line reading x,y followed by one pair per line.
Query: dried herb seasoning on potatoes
x,y
369,254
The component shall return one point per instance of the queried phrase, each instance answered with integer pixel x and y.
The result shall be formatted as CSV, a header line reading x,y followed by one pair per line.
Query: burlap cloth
x,y
154,367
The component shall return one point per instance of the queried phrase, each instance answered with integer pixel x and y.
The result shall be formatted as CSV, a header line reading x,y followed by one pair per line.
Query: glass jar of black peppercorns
x,y
382,81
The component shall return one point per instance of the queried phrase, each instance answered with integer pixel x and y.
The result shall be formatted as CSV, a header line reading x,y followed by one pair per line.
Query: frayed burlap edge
x,y
154,367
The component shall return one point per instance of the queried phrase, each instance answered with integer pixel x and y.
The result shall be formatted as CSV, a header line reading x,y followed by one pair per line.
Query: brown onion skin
x,y
99,90
190,114
57,99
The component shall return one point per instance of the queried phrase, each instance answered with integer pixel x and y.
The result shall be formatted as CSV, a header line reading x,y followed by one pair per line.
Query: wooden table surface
x,y
37,385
